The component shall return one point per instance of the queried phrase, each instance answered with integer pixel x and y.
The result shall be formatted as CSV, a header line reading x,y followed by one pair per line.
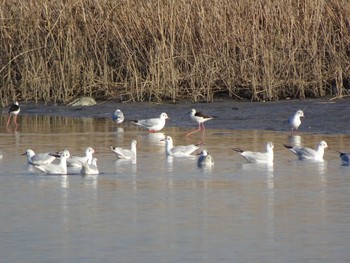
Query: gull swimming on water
x,y
199,118
294,120
258,157
118,116
205,159
345,158
178,151
154,124
305,153
52,168
13,111
90,169
76,161
39,158
122,153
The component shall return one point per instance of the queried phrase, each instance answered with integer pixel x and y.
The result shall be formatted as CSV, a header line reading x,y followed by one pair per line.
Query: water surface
x,y
168,210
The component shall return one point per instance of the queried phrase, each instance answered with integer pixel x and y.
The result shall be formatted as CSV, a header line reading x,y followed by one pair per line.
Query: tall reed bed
x,y
54,51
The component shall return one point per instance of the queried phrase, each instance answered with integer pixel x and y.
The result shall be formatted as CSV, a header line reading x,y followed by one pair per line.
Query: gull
x,y
345,158
118,116
52,168
128,154
76,161
39,158
200,118
305,153
258,157
294,121
178,151
205,159
89,169
154,124
14,110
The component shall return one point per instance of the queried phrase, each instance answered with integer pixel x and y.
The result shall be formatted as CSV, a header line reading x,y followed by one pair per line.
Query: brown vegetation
x,y
154,50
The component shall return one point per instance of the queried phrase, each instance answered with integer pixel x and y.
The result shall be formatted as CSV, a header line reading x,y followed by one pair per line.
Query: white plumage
x,y
60,168
295,121
39,158
122,153
258,157
180,150
90,169
305,153
76,161
153,124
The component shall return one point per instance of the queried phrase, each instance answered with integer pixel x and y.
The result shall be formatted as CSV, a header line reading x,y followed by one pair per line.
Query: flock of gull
x,y
58,163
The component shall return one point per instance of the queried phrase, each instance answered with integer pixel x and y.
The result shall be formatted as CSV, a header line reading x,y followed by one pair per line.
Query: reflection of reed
x,y
40,124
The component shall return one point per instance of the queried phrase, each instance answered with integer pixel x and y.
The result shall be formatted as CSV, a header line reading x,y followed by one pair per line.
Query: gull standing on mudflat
x,y
154,124
205,159
178,151
305,153
258,157
345,158
39,158
52,168
118,116
13,111
294,120
122,153
199,118
90,169
76,161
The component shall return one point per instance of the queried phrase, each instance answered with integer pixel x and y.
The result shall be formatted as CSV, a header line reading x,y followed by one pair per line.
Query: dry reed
x,y
54,51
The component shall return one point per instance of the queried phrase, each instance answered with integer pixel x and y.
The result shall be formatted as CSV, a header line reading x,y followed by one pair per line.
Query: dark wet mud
x,y
321,116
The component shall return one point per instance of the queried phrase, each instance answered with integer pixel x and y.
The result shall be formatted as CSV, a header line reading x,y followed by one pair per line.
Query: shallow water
x,y
168,210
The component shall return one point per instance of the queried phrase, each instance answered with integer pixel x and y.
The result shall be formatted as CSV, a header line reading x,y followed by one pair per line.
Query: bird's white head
x,y
29,153
163,116
269,146
300,113
322,144
89,151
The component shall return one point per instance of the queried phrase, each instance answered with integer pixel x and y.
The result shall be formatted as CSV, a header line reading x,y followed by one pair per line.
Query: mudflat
x,y
323,116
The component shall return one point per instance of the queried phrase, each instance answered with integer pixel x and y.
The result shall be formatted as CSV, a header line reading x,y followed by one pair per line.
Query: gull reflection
x,y
123,165
90,181
169,163
154,139
64,182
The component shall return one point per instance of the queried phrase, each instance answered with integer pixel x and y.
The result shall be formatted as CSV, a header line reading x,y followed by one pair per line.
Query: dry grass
x,y
155,50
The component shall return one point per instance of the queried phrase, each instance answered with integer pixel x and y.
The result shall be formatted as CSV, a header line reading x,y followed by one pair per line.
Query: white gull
x,y
39,158
294,120
60,168
76,161
178,151
258,157
90,169
153,124
122,153
305,153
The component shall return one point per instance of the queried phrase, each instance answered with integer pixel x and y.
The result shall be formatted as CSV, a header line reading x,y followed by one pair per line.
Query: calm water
x,y
163,210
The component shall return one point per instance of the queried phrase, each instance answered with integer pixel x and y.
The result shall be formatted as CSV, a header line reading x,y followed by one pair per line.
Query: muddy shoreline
x,y
322,116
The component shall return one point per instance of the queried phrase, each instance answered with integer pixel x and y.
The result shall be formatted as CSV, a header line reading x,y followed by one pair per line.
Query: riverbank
x,y
321,116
